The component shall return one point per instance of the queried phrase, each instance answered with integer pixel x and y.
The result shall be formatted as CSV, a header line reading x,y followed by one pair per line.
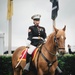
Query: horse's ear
x,y
64,28
55,29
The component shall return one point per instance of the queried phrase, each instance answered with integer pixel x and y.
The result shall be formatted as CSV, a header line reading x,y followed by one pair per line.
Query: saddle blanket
x,y
24,53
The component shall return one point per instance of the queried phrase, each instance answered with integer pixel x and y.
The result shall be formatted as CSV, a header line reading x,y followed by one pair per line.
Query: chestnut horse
x,y
46,58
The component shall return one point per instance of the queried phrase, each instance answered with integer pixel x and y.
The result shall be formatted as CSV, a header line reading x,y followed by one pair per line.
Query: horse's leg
x,y
18,72
40,72
53,73
21,72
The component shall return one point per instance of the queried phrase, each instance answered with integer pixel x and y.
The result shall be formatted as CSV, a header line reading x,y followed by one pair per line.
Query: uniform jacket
x,y
36,31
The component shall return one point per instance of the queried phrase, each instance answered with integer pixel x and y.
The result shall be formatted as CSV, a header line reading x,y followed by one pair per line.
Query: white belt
x,y
37,38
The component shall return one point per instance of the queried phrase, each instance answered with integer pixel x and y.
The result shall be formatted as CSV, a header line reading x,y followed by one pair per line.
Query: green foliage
x,y
66,63
5,65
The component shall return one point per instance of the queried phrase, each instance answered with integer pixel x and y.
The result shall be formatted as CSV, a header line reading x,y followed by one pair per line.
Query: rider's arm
x,y
30,34
44,33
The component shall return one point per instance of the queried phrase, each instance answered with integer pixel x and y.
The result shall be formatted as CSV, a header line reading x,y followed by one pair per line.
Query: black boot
x,y
28,60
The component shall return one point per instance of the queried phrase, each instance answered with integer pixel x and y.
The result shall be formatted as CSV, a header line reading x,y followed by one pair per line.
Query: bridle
x,y
50,63
56,43
56,47
50,51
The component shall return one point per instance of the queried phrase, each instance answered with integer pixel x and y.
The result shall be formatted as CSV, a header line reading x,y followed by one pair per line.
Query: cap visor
x,y
36,19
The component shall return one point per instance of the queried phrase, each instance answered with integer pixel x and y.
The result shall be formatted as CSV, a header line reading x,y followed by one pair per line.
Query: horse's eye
x,y
65,38
58,38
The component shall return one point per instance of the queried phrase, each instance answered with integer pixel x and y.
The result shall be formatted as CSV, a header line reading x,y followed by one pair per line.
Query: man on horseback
x,y
36,36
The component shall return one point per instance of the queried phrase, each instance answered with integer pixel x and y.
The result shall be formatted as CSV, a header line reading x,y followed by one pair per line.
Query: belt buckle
x,y
39,37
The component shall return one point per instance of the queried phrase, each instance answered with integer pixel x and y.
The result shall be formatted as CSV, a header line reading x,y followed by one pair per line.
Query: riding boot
x,y
28,60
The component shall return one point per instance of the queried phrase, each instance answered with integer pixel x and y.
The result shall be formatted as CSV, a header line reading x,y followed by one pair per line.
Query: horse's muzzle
x,y
61,49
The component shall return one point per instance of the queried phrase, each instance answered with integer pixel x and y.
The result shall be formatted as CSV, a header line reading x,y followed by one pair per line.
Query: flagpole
x,y
9,17
54,24
10,36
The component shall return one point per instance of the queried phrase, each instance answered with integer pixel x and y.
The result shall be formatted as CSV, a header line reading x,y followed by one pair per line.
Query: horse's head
x,y
59,38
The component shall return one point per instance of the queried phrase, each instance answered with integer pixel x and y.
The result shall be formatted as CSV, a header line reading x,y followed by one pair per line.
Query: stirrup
x,y
27,66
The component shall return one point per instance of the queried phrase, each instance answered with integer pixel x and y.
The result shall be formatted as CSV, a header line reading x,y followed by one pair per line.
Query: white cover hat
x,y
37,16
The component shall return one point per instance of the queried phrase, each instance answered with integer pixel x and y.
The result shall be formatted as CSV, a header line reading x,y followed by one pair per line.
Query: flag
x,y
55,8
9,9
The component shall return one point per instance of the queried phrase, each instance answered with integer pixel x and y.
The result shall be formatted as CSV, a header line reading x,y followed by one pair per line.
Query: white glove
x,y
45,40
28,42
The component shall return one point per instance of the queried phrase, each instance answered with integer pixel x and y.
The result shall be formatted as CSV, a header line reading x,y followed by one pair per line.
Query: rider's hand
x,y
28,42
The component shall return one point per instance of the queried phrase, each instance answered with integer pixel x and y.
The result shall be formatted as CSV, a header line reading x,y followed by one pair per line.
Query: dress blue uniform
x,y
36,35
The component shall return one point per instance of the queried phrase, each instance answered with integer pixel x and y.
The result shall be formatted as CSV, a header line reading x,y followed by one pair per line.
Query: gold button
x,y
39,37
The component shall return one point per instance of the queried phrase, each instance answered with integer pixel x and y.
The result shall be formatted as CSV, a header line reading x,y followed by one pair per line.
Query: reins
x,y
55,47
49,63
49,52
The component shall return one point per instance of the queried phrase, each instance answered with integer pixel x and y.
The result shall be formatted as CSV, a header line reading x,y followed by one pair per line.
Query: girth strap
x,y
49,63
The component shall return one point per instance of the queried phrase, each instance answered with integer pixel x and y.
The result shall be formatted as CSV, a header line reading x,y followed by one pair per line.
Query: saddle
x,y
24,53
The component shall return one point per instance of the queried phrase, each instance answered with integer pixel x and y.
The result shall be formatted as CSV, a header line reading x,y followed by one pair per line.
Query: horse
x,y
45,60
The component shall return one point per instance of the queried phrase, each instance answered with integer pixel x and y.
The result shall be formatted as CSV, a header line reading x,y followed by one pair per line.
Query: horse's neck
x,y
50,44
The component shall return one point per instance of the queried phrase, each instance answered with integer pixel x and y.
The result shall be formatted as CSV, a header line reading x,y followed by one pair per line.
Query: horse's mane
x,y
50,37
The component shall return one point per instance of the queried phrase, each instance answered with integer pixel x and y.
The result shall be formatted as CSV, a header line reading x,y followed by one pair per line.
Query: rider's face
x,y
36,22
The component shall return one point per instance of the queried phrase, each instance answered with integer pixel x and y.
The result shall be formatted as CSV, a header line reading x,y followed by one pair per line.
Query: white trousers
x,y
31,49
